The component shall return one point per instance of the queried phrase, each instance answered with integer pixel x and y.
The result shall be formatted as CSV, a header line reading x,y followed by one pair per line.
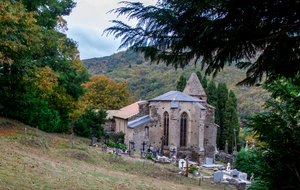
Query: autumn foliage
x,y
106,93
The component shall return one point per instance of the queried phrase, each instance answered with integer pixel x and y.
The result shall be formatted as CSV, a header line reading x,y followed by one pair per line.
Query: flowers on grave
x,y
215,169
124,149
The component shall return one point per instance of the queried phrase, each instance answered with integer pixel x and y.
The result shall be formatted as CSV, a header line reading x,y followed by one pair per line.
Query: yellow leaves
x,y
106,93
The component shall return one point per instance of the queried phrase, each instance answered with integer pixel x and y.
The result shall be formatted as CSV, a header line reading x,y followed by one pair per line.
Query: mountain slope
x,y
147,80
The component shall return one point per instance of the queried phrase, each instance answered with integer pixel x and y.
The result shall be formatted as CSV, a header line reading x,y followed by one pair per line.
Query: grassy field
x,y
48,161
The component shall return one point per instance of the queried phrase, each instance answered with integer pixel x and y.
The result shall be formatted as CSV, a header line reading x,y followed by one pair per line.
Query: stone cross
x,y
149,148
252,177
144,146
104,147
226,147
162,145
234,149
187,168
253,144
105,138
182,164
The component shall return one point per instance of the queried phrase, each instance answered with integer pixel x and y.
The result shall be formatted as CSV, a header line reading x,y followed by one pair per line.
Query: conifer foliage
x,y
181,83
216,33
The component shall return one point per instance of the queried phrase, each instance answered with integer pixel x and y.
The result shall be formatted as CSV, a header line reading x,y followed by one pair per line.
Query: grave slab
x,y
218,176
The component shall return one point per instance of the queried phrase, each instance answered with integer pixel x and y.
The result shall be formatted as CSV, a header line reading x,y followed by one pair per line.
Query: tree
x,y
39,65
91,120
278,127
261,36
212,99
222,99
181,83
105,93
231,121
204,83
199,75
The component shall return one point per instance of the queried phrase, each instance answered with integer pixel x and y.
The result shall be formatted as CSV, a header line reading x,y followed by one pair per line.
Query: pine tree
x,y
222,99
181,83
231,121
216,33
204,83
199,75
212,99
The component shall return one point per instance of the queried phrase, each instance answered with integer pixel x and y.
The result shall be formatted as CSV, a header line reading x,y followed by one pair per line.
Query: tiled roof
x,y
200,105
176,96
128,111
111,113
139,121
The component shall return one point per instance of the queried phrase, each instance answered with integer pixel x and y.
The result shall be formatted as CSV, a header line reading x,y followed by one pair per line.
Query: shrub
x,y
192,169
247,161
90,120
149,156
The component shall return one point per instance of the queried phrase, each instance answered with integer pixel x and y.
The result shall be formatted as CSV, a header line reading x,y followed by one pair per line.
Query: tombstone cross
x,y
253,144
149,148
182,164
187,168
105,138
144,146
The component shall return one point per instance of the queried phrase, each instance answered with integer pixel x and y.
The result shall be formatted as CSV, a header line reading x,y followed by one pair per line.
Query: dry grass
x,y
48,161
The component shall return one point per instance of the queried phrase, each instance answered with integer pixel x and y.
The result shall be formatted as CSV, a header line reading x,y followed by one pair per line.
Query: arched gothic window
x,y
147,131
166,128
183,128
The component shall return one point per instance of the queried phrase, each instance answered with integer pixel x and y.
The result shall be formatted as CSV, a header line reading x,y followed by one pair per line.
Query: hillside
x,y
48,161
147,80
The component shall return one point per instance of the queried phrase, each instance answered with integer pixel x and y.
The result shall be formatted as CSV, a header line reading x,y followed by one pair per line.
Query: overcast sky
x,y
87,22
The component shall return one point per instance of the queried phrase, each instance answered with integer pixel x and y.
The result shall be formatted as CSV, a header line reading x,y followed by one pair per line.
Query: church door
x,y
183,128
166,128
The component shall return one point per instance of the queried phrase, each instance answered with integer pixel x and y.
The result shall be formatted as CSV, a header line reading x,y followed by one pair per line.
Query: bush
x,y
192,169
247,161
90,120
149,156
34,112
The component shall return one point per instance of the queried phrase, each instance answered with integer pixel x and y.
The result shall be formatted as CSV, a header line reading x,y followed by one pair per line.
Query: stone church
x,y
185,120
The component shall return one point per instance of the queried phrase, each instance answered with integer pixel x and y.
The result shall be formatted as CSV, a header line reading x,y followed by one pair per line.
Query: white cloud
x,y
87,22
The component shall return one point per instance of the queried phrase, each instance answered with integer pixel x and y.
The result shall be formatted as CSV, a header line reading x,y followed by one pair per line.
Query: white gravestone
x,y
243,176
209,161
218,176
182,163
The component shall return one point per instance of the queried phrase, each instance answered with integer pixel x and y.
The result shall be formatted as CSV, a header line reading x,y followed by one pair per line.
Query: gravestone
x,y
104,147
182,163
218,176
243,176
154,151
234,174
172,151
209,161
226,147
143,154
246,147
131,153
94,141
233,182
242,186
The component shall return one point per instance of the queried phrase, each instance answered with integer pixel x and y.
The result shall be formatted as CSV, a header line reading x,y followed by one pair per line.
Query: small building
x,y
184,119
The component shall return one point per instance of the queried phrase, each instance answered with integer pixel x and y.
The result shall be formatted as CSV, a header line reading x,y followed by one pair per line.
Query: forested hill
x,y
147,80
